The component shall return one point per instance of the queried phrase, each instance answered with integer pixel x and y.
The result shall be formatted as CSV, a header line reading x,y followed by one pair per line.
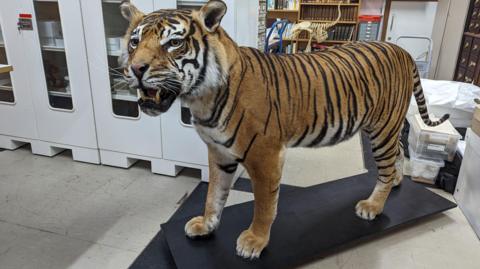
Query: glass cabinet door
x,y
124,99
53,54
6,89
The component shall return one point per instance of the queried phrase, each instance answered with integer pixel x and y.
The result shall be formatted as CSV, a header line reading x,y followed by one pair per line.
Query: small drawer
x,y
476,46
474,57
476,27
460,76
469,76
475,14
471,67
472,26
467,43
464,59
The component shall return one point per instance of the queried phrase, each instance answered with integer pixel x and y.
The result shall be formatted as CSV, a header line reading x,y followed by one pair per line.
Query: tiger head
x,y
173,53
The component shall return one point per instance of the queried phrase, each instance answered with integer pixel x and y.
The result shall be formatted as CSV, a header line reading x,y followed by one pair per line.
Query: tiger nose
x,y
139,69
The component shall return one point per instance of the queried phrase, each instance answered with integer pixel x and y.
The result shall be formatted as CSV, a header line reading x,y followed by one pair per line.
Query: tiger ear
x,y
211,14
130,12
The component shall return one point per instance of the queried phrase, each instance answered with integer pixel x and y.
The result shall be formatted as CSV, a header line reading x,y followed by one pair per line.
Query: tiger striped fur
x,y
249,107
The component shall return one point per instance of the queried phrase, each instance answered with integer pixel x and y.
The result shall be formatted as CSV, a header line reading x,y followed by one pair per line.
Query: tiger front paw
x,y
368,210
198,227
250,246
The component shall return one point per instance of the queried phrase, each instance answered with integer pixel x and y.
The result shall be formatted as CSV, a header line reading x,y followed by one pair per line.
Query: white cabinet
x,y
181,143
59,78
17,116
125,134
67,90
52,70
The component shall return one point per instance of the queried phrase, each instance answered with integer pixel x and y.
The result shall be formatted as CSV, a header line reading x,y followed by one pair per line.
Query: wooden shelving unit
x,y
328,4
323,12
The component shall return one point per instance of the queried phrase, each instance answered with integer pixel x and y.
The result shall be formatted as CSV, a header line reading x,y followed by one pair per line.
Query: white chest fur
x,y
214,138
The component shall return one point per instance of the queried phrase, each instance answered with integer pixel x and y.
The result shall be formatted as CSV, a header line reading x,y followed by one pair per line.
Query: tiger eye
x,y
175,42
134,42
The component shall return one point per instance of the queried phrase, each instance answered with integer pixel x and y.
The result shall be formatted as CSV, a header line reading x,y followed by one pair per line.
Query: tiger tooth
x,y
142,95
157,97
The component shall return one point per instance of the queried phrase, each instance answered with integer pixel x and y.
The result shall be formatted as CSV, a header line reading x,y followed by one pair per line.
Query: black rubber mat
x,y
157,253
312,222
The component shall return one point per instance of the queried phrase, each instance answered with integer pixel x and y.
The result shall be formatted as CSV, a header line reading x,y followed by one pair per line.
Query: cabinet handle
x,y
475,47
472,64
466,45
393,21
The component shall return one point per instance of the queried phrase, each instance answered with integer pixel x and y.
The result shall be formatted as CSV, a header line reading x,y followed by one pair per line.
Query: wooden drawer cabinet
x,y
468,63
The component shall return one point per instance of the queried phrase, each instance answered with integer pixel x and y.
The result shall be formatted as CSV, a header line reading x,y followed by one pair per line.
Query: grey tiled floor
x,y
56,213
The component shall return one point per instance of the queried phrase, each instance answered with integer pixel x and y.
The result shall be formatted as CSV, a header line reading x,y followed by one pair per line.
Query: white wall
x,y
164,4
451,38
241,21
372,7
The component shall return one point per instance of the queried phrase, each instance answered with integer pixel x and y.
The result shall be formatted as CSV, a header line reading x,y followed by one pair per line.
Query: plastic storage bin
x,y
438,142
424,170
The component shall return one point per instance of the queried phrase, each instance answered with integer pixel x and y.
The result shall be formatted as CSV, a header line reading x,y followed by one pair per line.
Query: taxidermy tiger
x,y
249,107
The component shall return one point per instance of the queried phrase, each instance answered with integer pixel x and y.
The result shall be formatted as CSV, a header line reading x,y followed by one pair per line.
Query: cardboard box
x,y
476,121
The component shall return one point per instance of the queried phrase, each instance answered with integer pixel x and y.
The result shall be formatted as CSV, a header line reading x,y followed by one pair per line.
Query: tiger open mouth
x,y
153,102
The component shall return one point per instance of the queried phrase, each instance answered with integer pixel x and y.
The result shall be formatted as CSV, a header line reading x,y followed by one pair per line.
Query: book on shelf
x,y
337,33
341,33
283,4
328,13
330,1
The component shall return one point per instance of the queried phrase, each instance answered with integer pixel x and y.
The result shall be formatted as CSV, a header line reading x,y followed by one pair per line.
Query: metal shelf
x,y
114,53
124,96
6,88
53,48
60,94
191,2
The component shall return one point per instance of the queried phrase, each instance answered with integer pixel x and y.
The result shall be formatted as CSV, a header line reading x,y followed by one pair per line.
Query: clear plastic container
x,y
438,142
424,170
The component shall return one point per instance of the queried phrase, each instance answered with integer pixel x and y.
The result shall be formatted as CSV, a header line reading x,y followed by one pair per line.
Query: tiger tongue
x,y
151,93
